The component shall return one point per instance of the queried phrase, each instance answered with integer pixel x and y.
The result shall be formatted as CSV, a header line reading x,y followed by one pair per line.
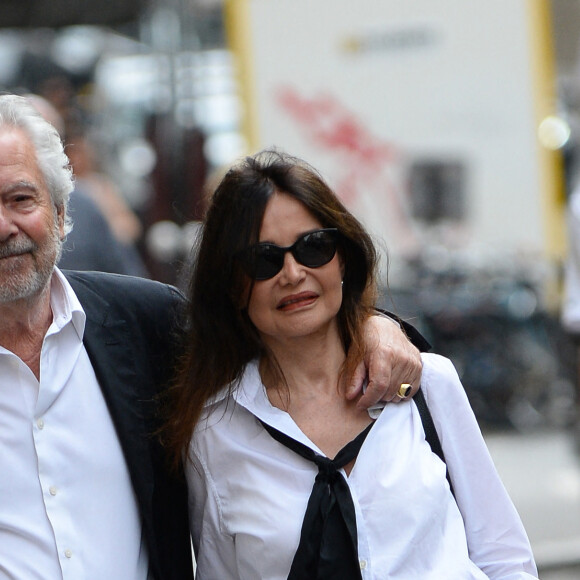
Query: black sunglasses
x,y
313,250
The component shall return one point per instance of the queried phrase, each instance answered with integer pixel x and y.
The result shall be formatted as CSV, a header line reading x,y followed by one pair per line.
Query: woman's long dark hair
x,y
221,339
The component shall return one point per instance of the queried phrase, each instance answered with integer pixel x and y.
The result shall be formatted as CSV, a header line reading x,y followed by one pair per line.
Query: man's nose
x,y
7,225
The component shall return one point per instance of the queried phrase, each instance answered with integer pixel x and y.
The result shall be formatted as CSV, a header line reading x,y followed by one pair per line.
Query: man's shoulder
x,y
133,286
123,293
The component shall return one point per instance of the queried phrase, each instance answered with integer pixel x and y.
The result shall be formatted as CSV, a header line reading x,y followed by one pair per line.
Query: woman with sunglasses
x,y
283,282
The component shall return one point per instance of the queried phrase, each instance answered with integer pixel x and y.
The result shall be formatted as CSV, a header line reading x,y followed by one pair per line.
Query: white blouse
x,y
248,493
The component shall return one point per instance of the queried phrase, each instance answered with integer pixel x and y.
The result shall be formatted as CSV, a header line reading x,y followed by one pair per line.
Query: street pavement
x,y
541,471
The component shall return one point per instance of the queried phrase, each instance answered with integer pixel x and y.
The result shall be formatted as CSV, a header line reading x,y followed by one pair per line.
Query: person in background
x,y
101,189
92,243
84,359
288,477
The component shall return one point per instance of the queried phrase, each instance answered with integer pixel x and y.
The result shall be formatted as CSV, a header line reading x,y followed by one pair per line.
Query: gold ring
x,y
404,390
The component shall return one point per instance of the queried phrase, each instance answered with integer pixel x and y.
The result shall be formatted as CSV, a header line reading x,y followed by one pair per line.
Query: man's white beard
x,y
18,284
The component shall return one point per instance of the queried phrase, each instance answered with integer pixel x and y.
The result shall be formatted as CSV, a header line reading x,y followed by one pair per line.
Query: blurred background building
x,y
451,129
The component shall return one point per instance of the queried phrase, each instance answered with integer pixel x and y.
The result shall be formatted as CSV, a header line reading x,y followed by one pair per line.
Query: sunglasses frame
x,y
248,257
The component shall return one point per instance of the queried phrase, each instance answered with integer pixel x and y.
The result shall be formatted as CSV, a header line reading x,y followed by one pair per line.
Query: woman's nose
x,y
292,271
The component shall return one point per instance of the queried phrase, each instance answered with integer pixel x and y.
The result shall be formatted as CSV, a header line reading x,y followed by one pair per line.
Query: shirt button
x,y
68,553
52,490
362,564
40,423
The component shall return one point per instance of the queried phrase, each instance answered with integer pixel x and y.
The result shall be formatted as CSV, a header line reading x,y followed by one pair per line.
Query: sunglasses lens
x,y
268,261
316,249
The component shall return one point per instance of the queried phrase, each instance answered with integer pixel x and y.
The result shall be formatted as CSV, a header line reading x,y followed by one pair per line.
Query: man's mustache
x,y
17,247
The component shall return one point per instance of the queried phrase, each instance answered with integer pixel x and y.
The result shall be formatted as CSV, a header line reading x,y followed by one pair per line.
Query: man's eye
x,y
21,202
24,198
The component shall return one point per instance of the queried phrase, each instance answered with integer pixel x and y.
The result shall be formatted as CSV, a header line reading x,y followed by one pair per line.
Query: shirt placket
x,y
56,367
364,553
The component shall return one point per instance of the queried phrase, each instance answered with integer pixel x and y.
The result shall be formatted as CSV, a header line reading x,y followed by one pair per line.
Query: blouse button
x,y
362,564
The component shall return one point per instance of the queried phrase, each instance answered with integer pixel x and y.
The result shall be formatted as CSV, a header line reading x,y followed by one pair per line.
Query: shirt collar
x,y
65,306
251,394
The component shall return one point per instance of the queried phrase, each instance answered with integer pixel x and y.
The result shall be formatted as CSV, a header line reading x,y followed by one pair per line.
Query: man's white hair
x,y
18,112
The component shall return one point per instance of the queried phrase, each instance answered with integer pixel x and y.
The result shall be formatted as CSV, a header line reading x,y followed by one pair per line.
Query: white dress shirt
x,y
68,509
248,493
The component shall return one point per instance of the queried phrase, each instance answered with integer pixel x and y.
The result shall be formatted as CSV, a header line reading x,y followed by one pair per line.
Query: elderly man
x,y
85,489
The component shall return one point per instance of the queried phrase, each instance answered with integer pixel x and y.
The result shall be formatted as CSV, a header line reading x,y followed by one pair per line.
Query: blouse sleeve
x,y
496,538
214,549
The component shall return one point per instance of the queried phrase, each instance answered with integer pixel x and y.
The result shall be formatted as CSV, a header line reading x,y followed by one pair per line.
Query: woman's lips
x,y
296,301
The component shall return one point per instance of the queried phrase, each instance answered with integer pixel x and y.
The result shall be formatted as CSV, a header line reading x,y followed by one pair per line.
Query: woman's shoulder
x,y
226,410
217,414
436,366
440,381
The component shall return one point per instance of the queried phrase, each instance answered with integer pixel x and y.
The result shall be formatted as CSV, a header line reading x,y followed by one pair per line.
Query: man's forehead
x,y
8,131
18,162
16,146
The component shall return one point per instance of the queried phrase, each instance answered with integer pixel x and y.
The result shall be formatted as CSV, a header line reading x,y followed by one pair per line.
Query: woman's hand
x,y
391,360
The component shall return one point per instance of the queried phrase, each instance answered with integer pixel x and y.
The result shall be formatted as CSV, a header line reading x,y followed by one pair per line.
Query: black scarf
x,y
328,540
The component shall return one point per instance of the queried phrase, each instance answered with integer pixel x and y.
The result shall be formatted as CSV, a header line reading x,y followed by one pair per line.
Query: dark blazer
x,y
130,337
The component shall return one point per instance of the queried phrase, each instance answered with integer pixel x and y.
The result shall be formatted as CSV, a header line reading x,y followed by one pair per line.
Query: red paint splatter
x,y
364,159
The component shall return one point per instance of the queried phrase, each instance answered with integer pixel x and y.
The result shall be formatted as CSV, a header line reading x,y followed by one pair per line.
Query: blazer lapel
x,y
110,348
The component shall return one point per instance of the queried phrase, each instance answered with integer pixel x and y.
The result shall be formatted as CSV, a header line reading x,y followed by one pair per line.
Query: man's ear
x,y
60,222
